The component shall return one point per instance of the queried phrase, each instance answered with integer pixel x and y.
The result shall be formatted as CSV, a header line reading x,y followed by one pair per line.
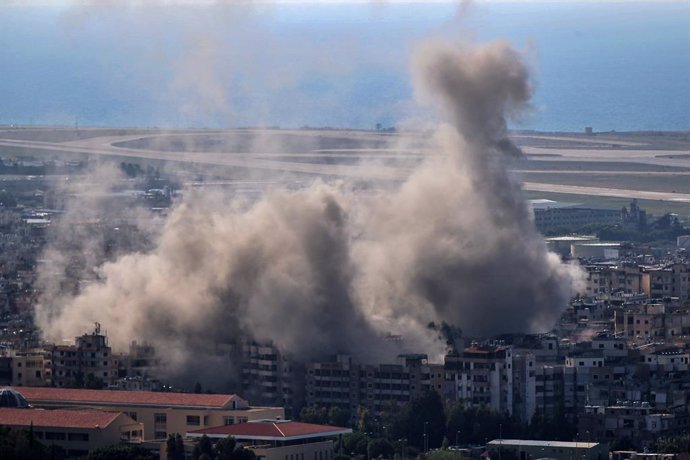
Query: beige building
x,y
89,355
76,431
31,368
669,281
604,281
273,439
160,413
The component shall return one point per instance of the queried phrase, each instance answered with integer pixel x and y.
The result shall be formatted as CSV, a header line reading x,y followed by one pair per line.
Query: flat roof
x,y
271,430
532,443
37,395
56,418
571,238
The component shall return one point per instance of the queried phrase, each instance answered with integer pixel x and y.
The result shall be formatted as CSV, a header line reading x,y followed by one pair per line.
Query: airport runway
x,y
280,161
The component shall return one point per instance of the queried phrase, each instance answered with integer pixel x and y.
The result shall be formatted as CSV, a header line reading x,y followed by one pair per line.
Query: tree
x,y
673,445
314,414
381,448
228,449
353,443
363,420
423,417
91,382
338,416
120,453
203,447
175,447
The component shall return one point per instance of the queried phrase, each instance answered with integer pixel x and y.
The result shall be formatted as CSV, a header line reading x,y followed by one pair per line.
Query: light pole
x,y
403,443
500,440
426,438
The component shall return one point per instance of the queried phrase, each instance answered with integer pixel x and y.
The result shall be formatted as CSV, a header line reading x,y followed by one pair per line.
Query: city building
x,y
671,280
556,215
160,413
89,356
76,431
276,439
603,281
557,450
482,376
632,420
349,385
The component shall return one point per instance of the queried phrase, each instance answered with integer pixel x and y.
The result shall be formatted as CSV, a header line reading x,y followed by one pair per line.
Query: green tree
x,y
314,414
203,447
338,416
225,448
175,447
381,448
20,444
674,444
91,382
120,453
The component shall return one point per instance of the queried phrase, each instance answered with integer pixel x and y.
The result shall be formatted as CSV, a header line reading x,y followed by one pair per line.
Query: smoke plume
x,y
323,269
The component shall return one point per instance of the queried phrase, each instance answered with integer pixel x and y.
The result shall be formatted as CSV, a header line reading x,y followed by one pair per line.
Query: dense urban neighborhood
x,y
611,376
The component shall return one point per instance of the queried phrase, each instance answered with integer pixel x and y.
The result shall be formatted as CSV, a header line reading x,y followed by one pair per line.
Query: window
x,y
160,434
55,436
82,437
228,420
206,420
193,420
242,419
160,418
132,415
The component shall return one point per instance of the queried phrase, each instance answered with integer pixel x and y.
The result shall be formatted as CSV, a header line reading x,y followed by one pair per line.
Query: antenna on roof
x,y
97,330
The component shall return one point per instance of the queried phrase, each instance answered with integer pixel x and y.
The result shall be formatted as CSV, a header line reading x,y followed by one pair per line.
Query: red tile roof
x,y
36,395
56,418
272,430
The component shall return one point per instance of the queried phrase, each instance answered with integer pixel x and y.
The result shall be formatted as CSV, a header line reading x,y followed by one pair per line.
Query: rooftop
x,y
272,430
37,395
56,418
529,442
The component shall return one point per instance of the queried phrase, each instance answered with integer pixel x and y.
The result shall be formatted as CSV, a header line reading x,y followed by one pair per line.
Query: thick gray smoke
x,y
325,270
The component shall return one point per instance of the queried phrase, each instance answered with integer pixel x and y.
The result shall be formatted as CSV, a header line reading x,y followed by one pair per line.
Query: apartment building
x,y
31,368
672,280
160,413
524,385
347,384
270,377
642,324
634,420
482,376
90,355
603,281
653,322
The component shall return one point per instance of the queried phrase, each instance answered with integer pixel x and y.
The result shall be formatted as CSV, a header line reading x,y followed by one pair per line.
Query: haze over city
x,y
412,227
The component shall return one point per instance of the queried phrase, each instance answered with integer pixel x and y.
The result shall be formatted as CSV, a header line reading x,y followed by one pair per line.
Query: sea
x,y
619,66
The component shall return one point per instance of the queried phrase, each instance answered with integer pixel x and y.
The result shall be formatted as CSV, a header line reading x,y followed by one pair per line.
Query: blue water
x,y
617,66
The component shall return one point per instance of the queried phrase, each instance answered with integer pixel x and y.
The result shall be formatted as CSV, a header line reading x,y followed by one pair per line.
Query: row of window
x,y
62,436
